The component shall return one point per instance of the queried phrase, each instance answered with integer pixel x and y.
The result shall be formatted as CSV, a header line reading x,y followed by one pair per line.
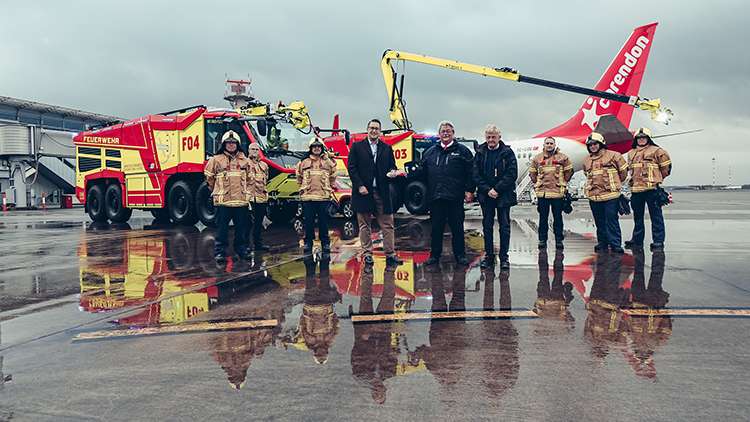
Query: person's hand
x,y
492,194
363,190
468,197
395,173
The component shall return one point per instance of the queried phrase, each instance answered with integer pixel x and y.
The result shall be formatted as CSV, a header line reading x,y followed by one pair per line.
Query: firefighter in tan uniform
x,y
226,175
316,176
649,165
550,171
605,171
257,193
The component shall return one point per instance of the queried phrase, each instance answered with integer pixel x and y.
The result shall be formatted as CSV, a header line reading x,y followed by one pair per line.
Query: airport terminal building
x,y
37,157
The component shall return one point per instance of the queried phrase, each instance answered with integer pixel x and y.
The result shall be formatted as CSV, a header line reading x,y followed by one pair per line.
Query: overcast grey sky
x,y
131,58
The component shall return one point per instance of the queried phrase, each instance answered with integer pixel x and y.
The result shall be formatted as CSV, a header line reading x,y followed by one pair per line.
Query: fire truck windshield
x,y
215,129
284,136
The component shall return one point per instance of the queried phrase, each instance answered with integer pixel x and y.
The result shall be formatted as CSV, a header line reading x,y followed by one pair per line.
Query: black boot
x,y
559,245
504,264
601,247
487,262
657,246
629,244
542,244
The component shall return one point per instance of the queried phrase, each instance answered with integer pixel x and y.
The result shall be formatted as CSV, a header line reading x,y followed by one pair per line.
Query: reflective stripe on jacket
x,y
226,176
316,177
257,178
605,172
551,174
648,166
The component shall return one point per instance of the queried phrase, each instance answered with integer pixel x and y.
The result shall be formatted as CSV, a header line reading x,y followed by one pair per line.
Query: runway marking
x,y
176,329
697,312
442,315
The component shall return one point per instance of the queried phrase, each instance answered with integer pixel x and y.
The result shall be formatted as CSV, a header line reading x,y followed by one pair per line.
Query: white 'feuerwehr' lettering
x,y
631,60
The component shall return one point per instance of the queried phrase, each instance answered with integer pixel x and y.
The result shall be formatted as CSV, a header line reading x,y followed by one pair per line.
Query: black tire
x,y
299,226
113,206
161,215
347,210
332,210
415,198
181,204
181,249
95,204
204,205
396,201
350,230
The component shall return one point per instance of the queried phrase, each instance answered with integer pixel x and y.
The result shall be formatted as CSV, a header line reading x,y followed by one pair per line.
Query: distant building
x,y
37,157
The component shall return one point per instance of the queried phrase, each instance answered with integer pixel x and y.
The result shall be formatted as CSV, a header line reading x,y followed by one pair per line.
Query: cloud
x,y
141,57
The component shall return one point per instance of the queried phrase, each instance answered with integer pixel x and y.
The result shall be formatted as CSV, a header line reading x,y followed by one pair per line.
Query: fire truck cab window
x,y
284,136
215,129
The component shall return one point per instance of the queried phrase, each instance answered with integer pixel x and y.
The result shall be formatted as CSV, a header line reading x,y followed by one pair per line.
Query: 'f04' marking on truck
x,y
190,143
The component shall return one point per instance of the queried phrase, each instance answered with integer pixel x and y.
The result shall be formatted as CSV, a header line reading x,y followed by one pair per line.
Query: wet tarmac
x,y
136,322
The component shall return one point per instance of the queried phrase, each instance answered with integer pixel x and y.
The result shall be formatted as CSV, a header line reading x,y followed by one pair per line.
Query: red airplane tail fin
x,y
335,123
623,76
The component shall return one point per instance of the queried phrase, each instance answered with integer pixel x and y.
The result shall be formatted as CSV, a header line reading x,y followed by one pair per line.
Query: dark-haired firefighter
x,y
550,171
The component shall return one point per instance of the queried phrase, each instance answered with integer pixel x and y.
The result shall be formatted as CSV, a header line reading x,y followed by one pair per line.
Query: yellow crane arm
x,y
397,108
294,113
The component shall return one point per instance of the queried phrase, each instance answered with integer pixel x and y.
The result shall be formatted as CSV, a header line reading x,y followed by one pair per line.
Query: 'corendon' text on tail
x,y
623,76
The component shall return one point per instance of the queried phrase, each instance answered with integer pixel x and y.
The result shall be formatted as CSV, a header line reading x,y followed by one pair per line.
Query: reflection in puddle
x,y
169,276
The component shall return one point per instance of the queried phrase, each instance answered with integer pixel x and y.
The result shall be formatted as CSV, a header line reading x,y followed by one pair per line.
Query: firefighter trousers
x,y
543,206
259,213
607,222
240,217
639,201
312,210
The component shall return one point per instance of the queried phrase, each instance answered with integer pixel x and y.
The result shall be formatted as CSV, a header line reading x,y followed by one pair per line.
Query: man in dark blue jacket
x,y
447,169
495,172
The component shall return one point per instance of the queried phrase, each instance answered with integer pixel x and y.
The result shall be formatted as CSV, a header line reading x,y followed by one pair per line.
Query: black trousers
x,y
259,212
312,210
607,222
639,201
451,212
489,208
543,206
240,217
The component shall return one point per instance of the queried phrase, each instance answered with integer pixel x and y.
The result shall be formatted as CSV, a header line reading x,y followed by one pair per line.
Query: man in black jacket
x,y
371,166
447,169
495,173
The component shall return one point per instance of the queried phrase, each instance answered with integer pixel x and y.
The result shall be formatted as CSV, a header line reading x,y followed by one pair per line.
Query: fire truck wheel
x,y
95,204
299,226
161,215
416,198
346,209
205,206
332,210
113,206
181,204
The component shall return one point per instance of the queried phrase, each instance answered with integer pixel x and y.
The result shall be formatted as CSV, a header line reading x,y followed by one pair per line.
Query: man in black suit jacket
x,y
371,166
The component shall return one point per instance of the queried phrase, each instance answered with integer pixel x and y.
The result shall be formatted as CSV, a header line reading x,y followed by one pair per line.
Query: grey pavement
x,y
582,355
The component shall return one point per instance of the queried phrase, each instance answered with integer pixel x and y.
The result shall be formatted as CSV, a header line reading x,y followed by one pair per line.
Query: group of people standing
x,y
452,175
